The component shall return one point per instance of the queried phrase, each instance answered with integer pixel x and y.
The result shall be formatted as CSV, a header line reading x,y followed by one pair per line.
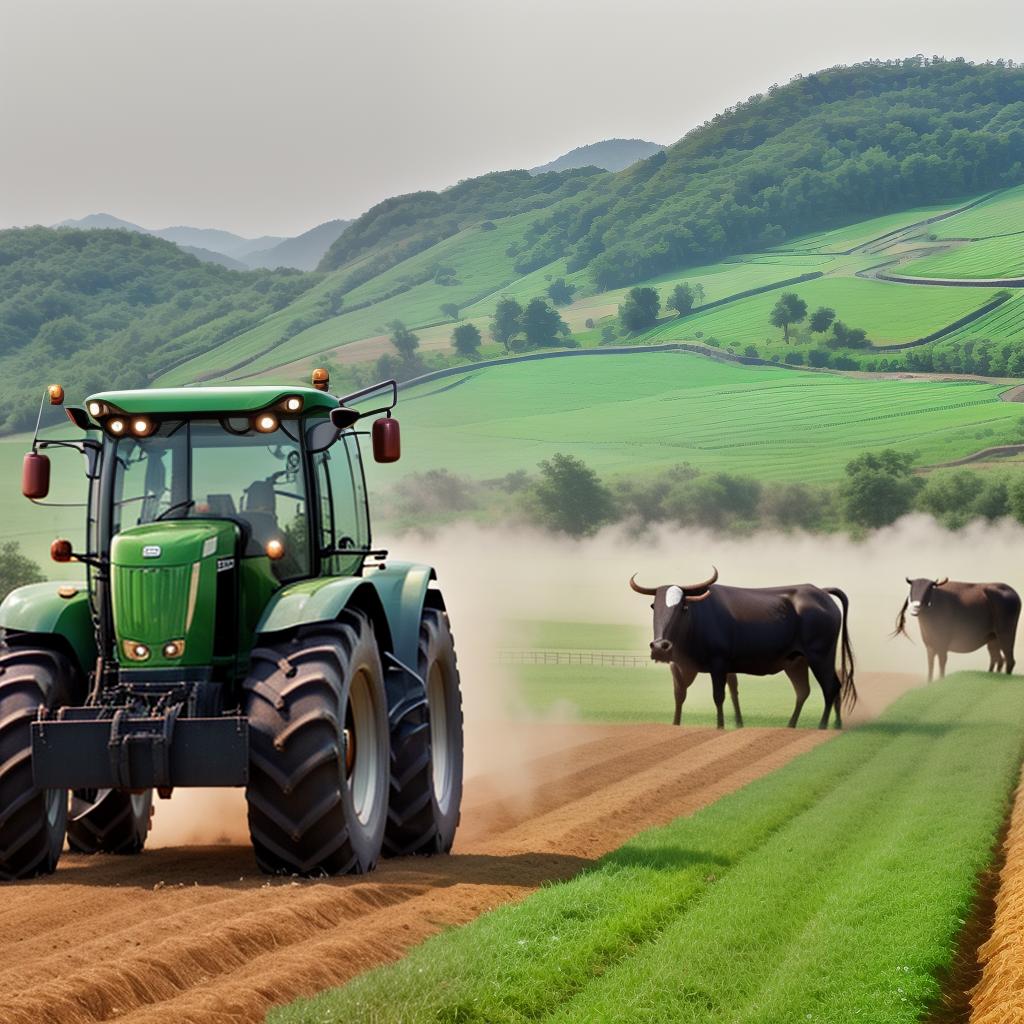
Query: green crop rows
x,y
990,258
999,215
1005,321
832,890
631,413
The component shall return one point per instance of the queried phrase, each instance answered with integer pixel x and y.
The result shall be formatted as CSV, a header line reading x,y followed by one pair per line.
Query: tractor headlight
x,y
96,409
174,648
135,651
141,426
293,403
265,423
116,426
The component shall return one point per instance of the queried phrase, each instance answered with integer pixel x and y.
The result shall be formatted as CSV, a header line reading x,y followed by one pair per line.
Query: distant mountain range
x,y
609,155
227,249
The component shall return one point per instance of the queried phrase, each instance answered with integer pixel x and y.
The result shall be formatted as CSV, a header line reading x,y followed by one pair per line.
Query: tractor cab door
x,y
343,518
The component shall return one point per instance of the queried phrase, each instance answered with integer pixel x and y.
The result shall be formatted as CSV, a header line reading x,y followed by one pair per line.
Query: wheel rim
x,y
362,738
440,756
138,801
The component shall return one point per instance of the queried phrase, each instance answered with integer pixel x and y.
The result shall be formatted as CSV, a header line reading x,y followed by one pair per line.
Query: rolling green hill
x,y
631,413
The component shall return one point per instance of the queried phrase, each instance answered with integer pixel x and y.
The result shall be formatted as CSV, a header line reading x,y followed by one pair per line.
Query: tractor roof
x,y
196,401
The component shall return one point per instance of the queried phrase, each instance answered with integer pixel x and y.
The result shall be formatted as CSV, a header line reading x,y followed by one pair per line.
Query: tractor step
x,y
86,748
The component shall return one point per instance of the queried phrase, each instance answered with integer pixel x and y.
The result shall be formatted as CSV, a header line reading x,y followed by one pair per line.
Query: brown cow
x,y
962,617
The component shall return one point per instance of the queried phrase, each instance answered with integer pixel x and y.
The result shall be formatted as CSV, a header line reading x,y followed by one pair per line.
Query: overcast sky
x,y
270,117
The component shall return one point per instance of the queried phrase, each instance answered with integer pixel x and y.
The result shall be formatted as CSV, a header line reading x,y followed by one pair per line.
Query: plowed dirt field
x,y
195,934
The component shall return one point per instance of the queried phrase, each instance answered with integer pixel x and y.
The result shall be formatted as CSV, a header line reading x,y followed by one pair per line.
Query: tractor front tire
x,y
32,820
319,752
109,821
426,749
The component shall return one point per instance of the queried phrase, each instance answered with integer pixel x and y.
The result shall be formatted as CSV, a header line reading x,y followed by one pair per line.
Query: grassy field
x,y
1001,214
628,413
1006,321
848,237
991,257
890,313
832,891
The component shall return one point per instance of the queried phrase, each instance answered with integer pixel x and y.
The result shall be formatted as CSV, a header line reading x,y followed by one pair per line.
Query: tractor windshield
x,y
199,468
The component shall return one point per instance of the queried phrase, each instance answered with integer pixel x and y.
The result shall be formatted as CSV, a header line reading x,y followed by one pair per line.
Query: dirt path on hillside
x,y
195,934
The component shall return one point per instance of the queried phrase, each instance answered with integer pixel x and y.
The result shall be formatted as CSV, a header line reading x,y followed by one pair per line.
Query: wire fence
x,y
611,658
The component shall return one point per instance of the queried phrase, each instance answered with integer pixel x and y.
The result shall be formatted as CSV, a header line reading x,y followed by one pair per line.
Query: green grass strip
x,y
831,890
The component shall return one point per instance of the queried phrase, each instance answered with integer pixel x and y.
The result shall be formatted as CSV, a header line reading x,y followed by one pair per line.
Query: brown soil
x,y
194,934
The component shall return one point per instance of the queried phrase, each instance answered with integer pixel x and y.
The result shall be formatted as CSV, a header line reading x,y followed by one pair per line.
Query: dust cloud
x,y
494,577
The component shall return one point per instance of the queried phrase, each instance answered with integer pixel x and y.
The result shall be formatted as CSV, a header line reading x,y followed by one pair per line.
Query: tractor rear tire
x,y
109,821
426,750
319,751
32,821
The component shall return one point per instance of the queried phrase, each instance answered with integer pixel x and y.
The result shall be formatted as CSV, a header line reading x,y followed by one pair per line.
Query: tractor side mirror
x,y
387,440
35,476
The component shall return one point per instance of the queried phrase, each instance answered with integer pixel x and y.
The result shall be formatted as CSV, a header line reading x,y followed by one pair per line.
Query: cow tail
x,y
848,691
901,621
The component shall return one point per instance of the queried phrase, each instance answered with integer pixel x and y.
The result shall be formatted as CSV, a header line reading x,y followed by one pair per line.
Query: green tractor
x,y
234,627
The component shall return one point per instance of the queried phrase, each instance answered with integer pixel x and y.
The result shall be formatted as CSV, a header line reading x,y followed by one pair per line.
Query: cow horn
x,y
633,585
698,587
942,582
908,579
693,598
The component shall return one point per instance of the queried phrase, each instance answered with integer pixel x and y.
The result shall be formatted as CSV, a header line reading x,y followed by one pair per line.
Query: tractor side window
x,y
342,506
148,478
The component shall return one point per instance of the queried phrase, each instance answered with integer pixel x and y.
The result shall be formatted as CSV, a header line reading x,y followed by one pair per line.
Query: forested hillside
x,y
100,309
826,149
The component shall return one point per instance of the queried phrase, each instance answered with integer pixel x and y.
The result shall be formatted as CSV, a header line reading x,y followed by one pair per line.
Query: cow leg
x,y
718,678
931,664
797,673
942,663
1006,643
681,680
734,692
995,655
825,673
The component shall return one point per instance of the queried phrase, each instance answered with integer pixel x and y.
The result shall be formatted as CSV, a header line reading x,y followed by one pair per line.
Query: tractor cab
x,y
236,623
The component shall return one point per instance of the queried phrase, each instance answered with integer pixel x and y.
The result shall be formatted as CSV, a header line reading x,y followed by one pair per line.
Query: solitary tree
x,y
505,323
541,324
821,319
640,310
790,309
571,498
561,293
403,339
466,340
681,299
698,294
450,310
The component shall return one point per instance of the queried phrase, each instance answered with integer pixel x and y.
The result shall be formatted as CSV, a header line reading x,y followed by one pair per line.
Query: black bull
x,y
724,630
963,617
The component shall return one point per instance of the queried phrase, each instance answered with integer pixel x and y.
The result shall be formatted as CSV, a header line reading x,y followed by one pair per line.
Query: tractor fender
x,y
39,609
393,598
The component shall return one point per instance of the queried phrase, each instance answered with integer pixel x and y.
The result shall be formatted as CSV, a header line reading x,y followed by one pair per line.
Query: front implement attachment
x,y
88,748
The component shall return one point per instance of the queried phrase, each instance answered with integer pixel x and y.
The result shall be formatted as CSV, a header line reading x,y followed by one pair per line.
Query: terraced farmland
x,y
1005,321
628,413
845,238
890,313
990,258
1001,214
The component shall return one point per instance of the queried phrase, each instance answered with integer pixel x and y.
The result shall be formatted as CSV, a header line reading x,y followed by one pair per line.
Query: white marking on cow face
x,y
673,596
914,608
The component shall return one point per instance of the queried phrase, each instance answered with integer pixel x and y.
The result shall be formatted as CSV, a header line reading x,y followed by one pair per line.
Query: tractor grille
x,y
152,604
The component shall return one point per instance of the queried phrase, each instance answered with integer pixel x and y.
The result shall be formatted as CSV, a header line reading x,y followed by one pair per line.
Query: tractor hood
x,y
169,583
